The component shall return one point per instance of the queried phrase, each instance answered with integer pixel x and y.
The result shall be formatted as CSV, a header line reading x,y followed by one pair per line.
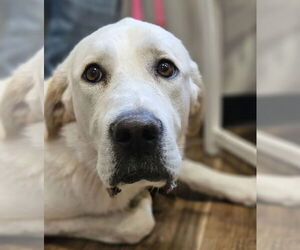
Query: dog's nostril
x,y
150,133
123,135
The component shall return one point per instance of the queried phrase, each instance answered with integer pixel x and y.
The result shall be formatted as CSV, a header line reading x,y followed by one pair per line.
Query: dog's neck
x,y
84,152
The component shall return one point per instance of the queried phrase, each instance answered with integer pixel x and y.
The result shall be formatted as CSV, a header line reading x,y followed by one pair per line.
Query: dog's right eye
x,y
166,68
92,73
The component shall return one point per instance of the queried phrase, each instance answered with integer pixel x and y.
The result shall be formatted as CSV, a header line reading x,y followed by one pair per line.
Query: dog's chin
x,y
138,179
141,184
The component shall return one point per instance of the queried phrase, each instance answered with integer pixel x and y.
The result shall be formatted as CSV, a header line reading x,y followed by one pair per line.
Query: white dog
x,y
117,111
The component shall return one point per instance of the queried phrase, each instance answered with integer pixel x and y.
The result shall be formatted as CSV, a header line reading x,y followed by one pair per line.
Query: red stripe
x,y
136,9
159,13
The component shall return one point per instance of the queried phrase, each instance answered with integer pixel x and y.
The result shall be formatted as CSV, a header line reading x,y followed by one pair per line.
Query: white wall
x,y
278,47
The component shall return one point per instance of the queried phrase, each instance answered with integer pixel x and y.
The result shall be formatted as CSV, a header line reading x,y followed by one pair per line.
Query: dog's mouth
x,y
135,170
139,152
152,175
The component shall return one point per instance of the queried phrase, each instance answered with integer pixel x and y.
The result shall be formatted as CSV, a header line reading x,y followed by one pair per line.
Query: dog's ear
x,y
20,100
197,101
14,110
58,107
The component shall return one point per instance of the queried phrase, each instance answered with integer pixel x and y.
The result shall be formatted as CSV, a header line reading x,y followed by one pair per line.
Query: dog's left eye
x,y
92,73
166,68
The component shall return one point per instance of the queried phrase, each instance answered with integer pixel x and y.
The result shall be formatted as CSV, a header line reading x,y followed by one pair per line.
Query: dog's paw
x,y
244,192
140,221
138,227
281,190
132,234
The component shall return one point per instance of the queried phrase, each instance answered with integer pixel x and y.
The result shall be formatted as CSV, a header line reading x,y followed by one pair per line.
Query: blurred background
x,y
21,32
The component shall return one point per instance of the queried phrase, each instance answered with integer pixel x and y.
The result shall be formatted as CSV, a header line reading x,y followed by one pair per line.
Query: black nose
x,y
136,132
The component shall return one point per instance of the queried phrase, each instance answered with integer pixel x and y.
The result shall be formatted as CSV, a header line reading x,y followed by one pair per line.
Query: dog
x,y
117,111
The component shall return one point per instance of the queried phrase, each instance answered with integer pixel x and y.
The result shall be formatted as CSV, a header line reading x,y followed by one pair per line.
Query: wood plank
x,y
230,227
278,227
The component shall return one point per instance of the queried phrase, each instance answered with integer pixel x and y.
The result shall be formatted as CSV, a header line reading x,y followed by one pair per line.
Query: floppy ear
x,y
14,110
197,101
20,99
58,108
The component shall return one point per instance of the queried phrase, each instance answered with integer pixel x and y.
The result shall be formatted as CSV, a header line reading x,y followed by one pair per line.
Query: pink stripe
x,y
159,13
136,9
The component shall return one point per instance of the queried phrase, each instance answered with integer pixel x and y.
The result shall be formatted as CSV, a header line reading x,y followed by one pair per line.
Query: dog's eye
x,y
92,73
166,68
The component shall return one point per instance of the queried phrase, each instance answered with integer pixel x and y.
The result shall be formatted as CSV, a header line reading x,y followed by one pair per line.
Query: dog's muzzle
x,y
136,138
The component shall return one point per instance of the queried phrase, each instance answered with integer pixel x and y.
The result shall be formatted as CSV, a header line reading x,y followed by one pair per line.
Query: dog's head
x,y
135,93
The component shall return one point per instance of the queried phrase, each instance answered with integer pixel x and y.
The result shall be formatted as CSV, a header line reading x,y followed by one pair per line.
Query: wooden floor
x,y
186,220
278,227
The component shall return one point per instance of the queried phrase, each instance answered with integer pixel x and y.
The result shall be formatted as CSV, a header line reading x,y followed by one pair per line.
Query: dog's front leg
x,y
282,190
127,226
241,189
